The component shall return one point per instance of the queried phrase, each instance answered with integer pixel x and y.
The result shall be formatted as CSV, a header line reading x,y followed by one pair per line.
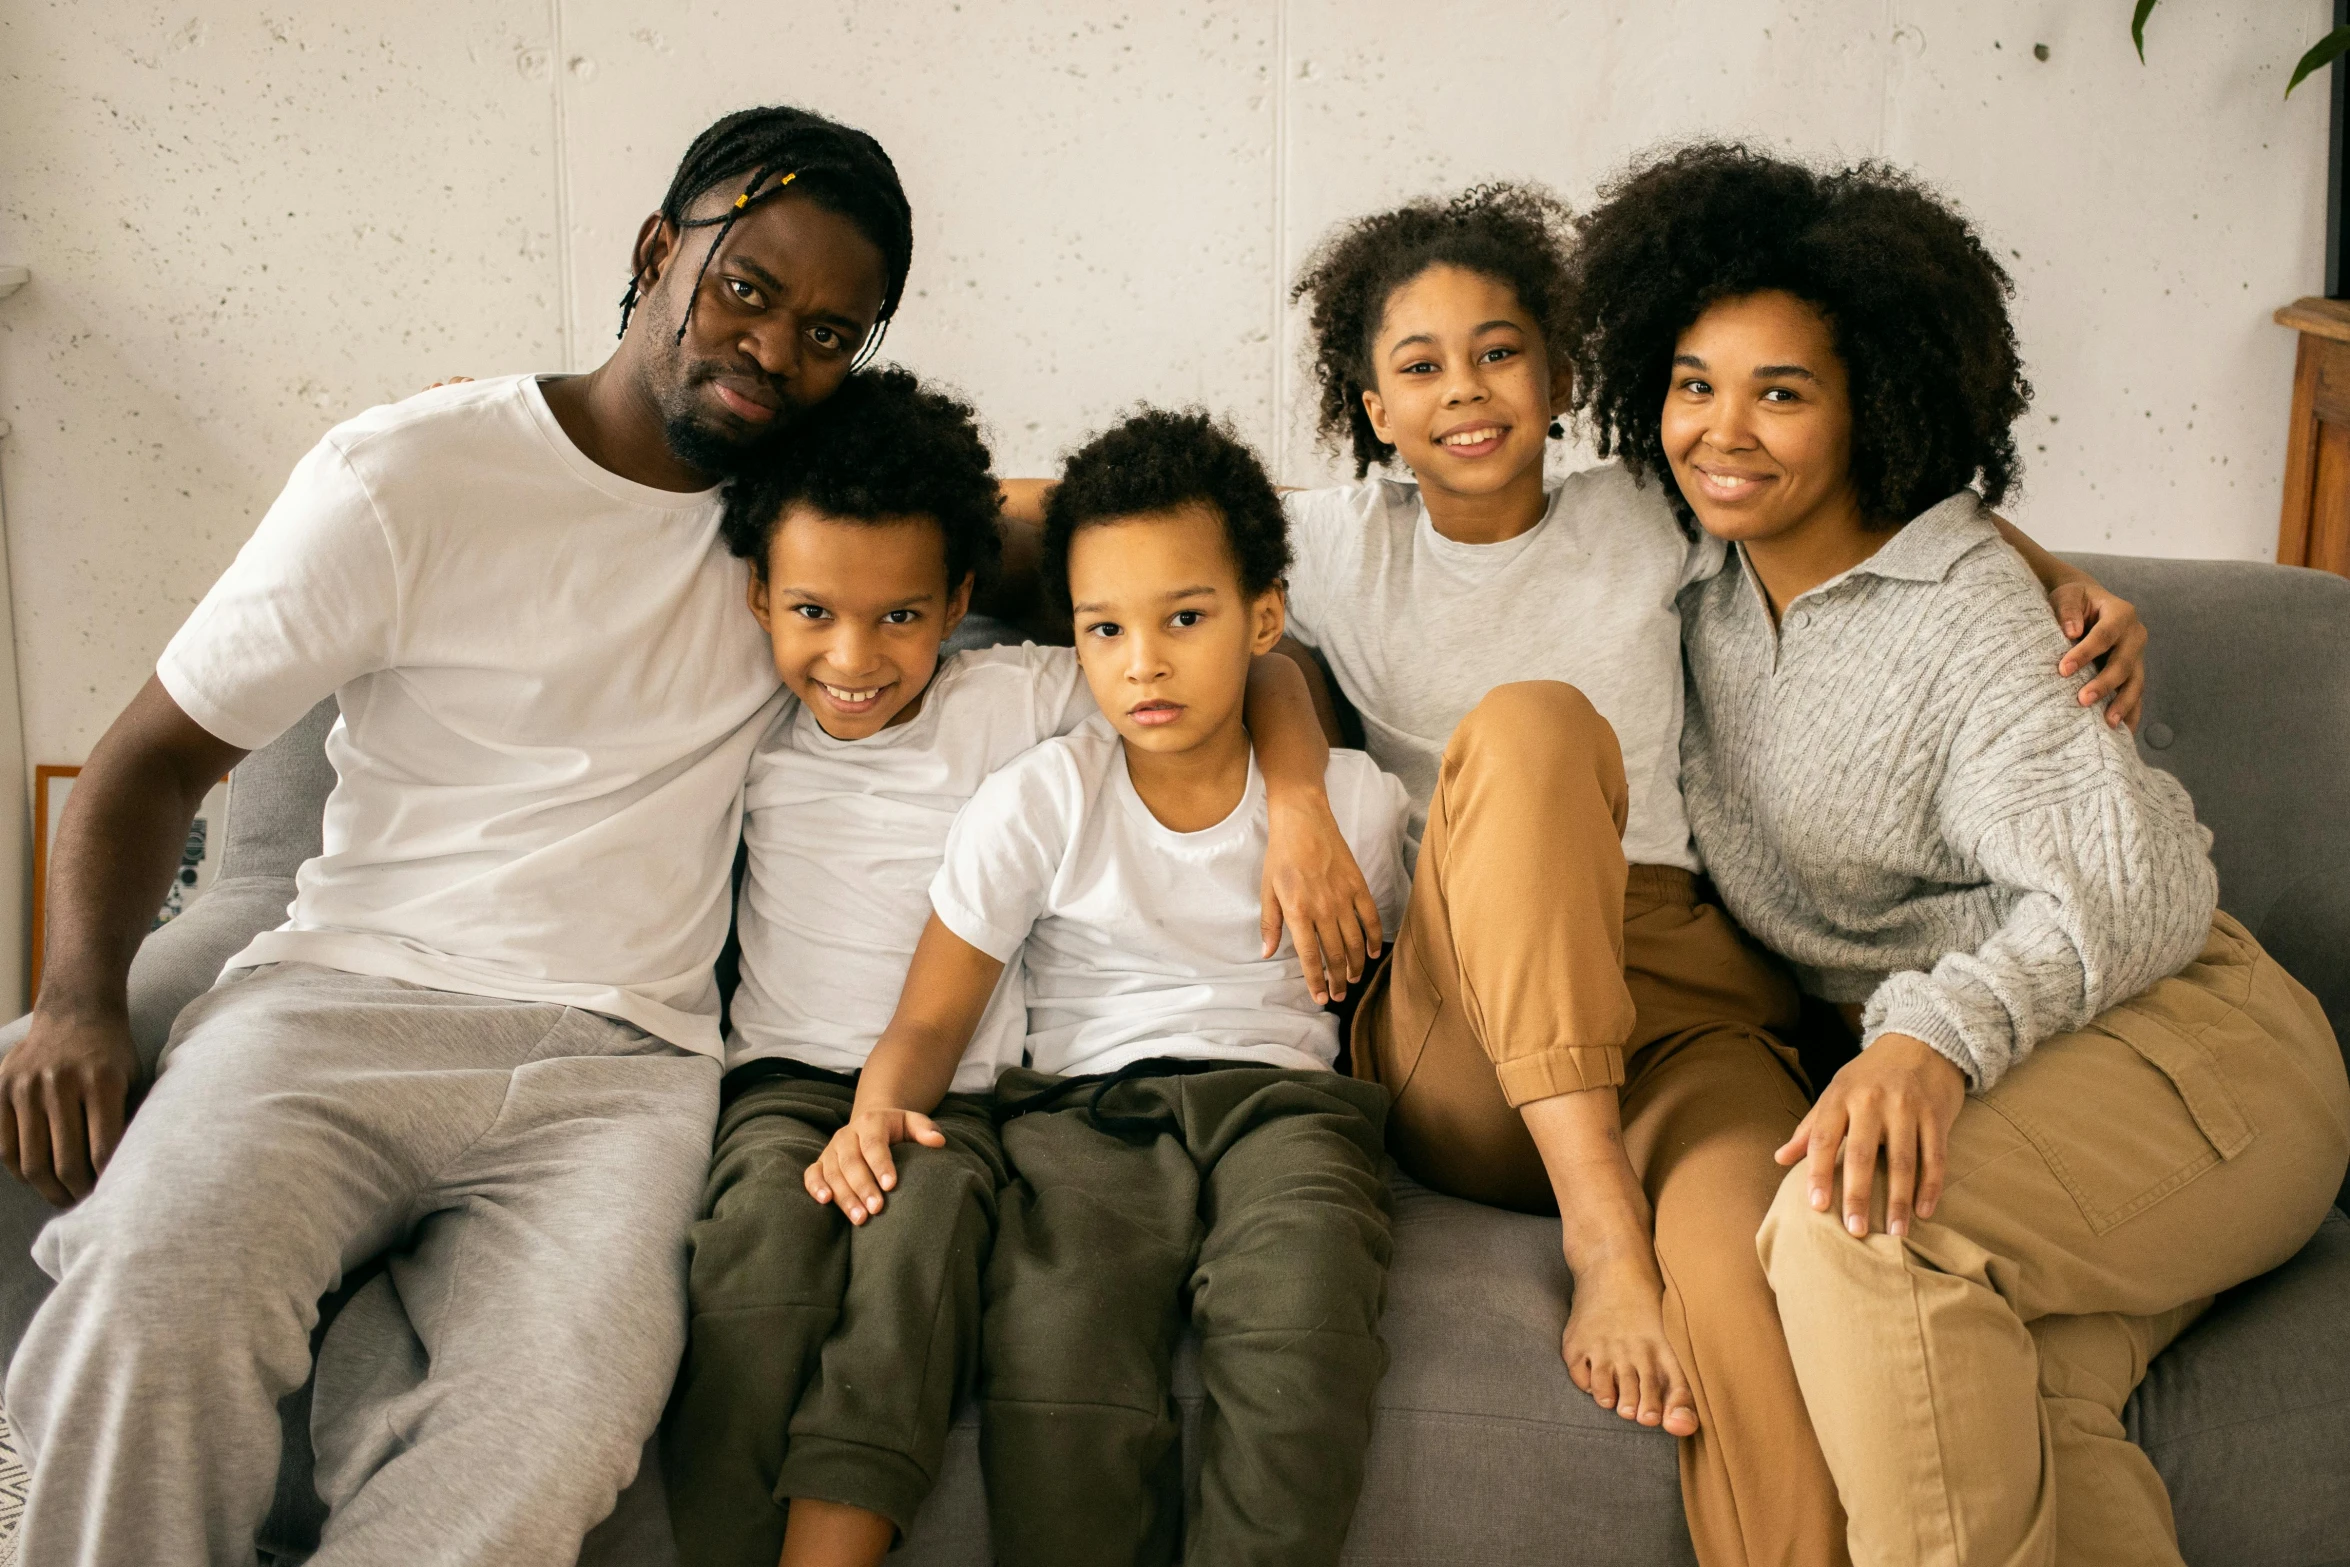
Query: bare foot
x,y
1616,1350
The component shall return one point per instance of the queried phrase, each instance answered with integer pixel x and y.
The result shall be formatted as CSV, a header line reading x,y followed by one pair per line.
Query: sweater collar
x,y
1932,542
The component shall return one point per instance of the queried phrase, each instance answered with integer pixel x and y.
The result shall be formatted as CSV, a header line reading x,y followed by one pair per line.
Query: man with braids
x,y
486,1036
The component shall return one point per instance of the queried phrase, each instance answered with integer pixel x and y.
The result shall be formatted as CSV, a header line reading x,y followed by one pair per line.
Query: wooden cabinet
x,y
2315,527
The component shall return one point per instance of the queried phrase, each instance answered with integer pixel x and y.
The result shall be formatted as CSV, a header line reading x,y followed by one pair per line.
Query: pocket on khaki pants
x,y
2138,1102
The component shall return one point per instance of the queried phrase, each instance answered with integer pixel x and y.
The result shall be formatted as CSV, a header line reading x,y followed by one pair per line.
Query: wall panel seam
x,y
567,304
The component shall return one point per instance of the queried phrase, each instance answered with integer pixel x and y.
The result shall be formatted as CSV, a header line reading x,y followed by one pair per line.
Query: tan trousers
x,y
1968,1383
1534,962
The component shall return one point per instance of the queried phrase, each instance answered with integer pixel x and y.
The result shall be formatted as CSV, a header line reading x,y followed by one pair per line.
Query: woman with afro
x,y
2086,1100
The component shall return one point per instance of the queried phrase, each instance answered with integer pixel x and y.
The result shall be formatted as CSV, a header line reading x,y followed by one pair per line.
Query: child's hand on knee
x,y
855,1167
1616,1350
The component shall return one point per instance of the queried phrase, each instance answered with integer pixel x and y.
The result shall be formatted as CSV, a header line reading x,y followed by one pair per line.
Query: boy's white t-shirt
x,y
550,687
1417,627
1139,941
844,838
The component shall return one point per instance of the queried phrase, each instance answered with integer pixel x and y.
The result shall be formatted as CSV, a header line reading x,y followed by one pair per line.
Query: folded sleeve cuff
x,y
974,927
1565,1069
184,688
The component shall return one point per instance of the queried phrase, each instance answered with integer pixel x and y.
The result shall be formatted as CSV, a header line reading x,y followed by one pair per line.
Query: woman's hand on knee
x,y
1899,1097
855,1168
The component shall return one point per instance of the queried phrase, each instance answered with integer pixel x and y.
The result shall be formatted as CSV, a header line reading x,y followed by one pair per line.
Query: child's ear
x,y
1268,617
1377,410
958,605
1562,389
758,600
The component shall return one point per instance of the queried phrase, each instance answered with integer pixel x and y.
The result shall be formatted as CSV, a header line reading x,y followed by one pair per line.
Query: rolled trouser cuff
x,y
854,1474
1564,1069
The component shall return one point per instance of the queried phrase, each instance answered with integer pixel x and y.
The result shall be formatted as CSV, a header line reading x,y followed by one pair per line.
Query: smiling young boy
x,y
830,1343
1179,1137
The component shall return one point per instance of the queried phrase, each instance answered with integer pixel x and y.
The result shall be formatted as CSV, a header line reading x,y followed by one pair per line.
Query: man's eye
x,y
743,291
825,337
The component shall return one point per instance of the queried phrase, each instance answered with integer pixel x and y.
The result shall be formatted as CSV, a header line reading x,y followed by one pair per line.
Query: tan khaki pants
x,y
1534,962
1967,1383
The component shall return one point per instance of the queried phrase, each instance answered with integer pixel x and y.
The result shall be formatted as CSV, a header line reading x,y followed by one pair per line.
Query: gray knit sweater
x,y
1897,791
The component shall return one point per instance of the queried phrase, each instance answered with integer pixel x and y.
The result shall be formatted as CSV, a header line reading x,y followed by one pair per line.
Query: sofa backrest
x,y
277,800
2248,705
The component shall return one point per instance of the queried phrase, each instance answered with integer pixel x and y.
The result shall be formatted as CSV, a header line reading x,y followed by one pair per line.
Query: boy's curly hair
x,y
1516,234
1159,459
1916,302
882,447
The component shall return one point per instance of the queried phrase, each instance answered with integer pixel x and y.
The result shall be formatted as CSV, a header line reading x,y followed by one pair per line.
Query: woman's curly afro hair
x,y
1519,235
1916,303
881,447
1157,460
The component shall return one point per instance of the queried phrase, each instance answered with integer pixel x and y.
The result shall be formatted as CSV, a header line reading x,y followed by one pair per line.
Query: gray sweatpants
x,y
536,1168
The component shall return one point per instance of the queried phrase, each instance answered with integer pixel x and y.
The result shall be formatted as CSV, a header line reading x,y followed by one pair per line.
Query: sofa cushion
x,y
2248,1416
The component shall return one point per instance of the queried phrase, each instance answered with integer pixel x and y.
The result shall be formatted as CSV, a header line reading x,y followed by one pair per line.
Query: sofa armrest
x,y
174,966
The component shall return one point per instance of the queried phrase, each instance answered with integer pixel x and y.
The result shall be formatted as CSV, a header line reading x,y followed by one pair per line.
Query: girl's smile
x,y
1480,439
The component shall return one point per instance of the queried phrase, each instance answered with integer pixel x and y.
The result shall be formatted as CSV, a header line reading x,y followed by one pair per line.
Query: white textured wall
x,y
245,222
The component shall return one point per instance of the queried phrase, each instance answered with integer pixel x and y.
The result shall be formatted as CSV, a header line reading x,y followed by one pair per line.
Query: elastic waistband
x,y
1095,1085
768,1068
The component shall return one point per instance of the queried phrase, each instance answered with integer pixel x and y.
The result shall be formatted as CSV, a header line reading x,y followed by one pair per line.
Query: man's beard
x,y
706,451
702,444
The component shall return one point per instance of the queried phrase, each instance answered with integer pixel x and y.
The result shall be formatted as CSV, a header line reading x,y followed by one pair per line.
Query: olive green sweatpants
x,y
825,1358
1251,1200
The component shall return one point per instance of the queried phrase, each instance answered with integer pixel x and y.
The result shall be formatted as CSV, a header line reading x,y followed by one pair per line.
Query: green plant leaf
x,y
2321,54
2138,29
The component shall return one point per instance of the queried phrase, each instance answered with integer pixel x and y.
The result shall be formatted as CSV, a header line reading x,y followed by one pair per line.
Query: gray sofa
x,y
1484,1452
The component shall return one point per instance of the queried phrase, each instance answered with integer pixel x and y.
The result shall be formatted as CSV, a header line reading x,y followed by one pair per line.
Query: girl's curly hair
x,y
1520,235
1915,301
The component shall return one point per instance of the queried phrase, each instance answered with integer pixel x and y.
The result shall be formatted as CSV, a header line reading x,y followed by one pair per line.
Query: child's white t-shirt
x,y
1417,627
844,837
550,687
1140,941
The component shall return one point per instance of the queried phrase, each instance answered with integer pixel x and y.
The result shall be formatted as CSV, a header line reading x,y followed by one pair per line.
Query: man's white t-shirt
x,y
550,687
1417,627
1143,942
845,837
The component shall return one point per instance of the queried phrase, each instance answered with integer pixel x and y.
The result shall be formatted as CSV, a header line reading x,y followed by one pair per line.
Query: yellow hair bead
x,y
741,202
